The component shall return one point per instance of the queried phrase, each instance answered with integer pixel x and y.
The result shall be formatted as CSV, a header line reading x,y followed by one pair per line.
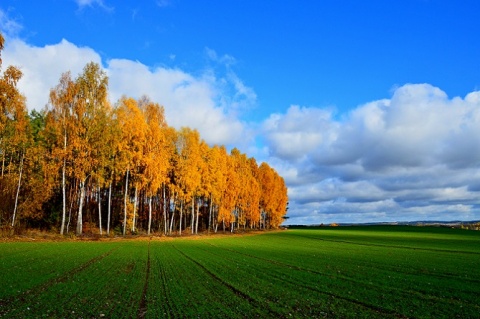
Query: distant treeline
x,y
83,165
472,225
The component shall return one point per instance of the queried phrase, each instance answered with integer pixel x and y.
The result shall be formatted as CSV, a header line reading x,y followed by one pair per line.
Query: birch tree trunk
x,y
109,207
193,214
99,211
164,211
173,214
125,205
64,199
149,214
134,209
70,211
18,190
80,208
210,213
181,213
196,222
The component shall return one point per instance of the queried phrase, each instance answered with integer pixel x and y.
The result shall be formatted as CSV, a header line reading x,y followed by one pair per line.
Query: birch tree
x,y
133,128
188,174
59,124
90,104
154,154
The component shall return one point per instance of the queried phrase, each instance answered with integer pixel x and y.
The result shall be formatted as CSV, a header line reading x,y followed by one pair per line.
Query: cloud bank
x,y
414,156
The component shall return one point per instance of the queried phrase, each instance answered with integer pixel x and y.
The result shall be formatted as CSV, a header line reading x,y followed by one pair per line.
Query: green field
x,y
346,272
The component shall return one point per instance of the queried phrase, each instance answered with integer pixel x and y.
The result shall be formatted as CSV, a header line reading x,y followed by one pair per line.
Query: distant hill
x,y
455,223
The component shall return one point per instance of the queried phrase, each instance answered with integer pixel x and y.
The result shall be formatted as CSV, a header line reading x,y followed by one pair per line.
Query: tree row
x,y
84,165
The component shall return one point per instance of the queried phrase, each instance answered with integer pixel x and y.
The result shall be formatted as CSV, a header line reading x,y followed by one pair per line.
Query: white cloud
x,y
299,132
8,25
90,3
43,66
417,149
188,100
207,102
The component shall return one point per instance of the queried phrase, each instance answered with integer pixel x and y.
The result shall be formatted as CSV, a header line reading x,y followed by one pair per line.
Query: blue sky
x,y
369,109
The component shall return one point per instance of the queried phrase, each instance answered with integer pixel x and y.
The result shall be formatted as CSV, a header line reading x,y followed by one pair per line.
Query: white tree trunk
x,y
125,205
173,214
193,214
99,211
64,198
69,214
18,190
210,213
109,207
149,214
196,222
80,208
181,213
134,209
164,211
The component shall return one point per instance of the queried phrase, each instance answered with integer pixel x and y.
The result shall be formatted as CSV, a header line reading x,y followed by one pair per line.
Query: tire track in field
x,y
390,246
296,283
40,289
142,307
170,310
236,291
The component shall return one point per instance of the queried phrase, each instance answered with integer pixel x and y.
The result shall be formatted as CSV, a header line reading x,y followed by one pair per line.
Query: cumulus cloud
x,y
296,133
188,100
208,102
395,157
43,66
